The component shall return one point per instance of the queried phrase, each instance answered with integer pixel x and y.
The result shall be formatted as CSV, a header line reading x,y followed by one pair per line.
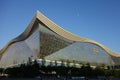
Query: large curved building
x,y
44,39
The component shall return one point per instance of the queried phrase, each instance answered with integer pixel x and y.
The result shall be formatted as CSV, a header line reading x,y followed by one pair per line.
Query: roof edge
x,y
69,35
21,36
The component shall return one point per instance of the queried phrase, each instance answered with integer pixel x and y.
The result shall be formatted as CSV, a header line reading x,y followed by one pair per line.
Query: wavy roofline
x,y
57,29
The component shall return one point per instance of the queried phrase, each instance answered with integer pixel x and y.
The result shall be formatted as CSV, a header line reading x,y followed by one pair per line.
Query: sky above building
x,y
98,20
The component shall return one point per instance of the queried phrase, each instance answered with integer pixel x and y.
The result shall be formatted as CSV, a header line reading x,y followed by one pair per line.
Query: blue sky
x,y
98,20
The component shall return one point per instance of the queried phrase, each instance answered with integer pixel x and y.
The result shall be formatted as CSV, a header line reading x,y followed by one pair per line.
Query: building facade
x,y
44,39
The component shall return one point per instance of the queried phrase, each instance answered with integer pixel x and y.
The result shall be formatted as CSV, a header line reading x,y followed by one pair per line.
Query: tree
x,y
55,63
43,62
1,70
74,63
68,63
62,63
51,63
99,71
86,70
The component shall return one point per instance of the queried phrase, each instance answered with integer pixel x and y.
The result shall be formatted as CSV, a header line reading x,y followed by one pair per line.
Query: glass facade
x,y
45,43
50,42
19,52
55,47
33,42
83,53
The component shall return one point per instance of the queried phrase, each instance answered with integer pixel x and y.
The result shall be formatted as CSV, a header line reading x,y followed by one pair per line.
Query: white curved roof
x,y
39,16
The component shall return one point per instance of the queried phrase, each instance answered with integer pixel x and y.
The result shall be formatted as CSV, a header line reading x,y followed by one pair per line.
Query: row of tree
x,y
33,69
